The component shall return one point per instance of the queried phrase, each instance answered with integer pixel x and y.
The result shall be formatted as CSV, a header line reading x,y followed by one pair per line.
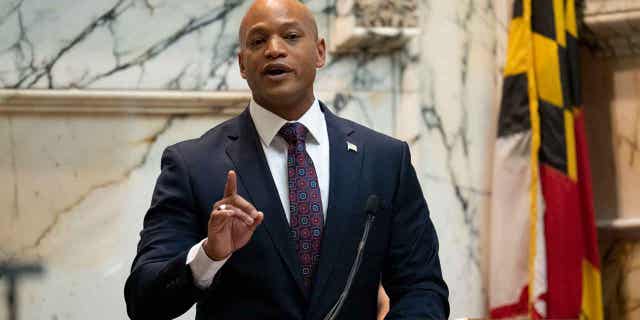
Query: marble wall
x,y
612,113
76,188
77,184
612,110
612,104
458,76
620,276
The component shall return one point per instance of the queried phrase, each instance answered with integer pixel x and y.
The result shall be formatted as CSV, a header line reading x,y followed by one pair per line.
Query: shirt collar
x,y
268,123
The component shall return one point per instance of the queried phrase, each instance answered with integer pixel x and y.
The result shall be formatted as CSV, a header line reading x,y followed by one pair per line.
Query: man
x,y
260,218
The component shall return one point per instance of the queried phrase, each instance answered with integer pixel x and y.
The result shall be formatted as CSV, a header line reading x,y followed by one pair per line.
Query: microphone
x,y
374,204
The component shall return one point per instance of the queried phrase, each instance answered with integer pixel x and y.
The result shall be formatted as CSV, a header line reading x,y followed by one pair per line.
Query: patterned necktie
x,y
304,201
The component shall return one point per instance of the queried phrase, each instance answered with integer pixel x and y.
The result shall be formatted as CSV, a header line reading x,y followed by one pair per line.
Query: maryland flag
x,y
544,256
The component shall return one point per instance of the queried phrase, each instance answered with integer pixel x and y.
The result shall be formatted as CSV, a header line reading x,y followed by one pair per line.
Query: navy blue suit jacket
x,y
263,279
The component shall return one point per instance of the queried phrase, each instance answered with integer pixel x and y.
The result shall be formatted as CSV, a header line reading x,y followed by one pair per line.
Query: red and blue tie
x,y
304,200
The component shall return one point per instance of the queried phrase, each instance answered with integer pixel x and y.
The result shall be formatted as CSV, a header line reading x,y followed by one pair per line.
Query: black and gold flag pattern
x,y
540,113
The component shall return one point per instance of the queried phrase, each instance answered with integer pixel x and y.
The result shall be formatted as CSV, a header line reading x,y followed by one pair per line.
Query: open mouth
x,y
276,70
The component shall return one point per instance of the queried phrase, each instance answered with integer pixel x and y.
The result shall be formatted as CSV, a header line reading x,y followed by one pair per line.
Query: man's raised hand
x,y
231,223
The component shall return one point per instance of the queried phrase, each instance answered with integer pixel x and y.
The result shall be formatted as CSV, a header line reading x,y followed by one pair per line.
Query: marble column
x,y
457,80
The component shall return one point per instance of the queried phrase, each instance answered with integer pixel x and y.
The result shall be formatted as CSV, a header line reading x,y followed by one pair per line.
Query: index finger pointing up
x,y
230,188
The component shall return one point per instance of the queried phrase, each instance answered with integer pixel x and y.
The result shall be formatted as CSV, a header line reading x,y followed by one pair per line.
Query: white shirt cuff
x,y
202,267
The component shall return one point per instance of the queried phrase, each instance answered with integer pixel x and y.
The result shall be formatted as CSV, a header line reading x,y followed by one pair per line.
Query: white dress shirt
x,y
275,150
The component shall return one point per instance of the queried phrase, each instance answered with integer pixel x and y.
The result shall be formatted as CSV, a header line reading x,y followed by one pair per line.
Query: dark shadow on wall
x,y
597,96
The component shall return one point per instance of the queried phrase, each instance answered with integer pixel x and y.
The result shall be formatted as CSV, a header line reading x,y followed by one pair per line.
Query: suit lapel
x,y
344,167
253,172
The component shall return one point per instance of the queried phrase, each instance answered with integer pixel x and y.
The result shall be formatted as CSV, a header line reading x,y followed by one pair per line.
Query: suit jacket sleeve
x,y
161,285
413,278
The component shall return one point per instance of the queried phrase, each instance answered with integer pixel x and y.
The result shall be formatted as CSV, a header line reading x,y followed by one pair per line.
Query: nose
x,y
275,48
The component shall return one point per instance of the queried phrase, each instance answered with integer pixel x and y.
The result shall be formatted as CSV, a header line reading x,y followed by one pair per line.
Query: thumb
x,y
257,220
230,187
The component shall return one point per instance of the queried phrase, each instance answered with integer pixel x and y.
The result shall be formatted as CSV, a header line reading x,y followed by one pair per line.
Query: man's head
x,y
279,53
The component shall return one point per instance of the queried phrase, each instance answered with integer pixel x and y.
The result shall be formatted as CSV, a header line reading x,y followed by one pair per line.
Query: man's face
x,y
280,52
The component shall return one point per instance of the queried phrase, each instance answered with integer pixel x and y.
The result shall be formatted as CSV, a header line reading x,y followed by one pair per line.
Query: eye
x,y
292,36
256,42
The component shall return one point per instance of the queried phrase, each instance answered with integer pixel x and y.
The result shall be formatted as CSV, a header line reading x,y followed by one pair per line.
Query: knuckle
x,y
214,215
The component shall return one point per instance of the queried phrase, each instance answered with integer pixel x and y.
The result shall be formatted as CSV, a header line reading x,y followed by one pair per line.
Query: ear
x,y
321,51
243,69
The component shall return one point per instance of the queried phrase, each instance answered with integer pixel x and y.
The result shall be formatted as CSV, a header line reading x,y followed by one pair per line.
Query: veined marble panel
x,y
458,70
361,71
120,44
188,45
54,162
82,191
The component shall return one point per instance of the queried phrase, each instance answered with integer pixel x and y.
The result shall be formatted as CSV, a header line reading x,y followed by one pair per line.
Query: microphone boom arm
x,y
352,273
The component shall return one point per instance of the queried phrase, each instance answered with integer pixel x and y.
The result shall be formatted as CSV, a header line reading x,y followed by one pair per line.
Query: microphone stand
x,y
14,272
354,269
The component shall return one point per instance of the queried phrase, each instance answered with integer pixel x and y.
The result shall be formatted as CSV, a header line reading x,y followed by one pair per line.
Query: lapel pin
x,y
352,147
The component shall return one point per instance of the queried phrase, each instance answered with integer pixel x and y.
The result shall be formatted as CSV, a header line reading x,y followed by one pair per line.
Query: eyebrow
x,y
291,24
261,28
